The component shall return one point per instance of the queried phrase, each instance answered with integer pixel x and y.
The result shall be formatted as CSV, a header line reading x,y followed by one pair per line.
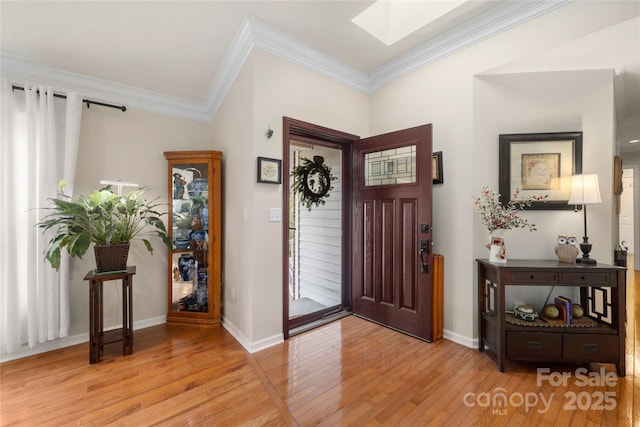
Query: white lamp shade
x,y
585,190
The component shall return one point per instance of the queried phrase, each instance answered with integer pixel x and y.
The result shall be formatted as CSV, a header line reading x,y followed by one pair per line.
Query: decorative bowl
x,y
524,312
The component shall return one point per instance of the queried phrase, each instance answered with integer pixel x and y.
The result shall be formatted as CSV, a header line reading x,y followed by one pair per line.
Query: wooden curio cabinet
x,y
194,225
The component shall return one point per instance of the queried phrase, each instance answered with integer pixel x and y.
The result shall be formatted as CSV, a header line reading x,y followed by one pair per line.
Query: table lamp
x,y
118,183
585,191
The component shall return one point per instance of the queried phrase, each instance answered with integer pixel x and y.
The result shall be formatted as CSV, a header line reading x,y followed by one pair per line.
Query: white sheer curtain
x,y
39,147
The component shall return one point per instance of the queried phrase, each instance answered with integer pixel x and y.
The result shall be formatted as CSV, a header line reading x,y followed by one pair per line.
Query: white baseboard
x,y
251,347
248,345
267,342
26,351
460,339
235,332
153,321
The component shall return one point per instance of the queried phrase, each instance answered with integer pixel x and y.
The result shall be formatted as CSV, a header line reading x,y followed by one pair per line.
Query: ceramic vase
x,y
497,247
187,265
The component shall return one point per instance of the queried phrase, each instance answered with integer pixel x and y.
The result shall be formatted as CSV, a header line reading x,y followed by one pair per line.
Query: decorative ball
x,y
577,311
551,311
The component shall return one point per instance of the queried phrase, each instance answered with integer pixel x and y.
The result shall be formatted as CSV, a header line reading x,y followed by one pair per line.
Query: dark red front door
x,y
392,230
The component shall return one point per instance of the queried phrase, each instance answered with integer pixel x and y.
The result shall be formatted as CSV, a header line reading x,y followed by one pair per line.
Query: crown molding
x,y
286,47
496,20
20,72
254,33
235,59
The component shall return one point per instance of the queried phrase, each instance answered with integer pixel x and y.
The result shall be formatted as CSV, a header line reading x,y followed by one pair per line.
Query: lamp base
x,y
585,247
586,261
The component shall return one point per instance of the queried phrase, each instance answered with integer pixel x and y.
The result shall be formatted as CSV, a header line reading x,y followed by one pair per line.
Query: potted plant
x,y
108,220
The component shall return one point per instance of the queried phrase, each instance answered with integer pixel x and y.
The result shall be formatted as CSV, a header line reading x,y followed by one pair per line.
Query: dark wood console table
x,y
602,295
97,337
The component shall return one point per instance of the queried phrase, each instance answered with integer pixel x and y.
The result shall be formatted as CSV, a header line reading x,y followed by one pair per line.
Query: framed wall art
x,y
269,170
537,164
617,175
436,168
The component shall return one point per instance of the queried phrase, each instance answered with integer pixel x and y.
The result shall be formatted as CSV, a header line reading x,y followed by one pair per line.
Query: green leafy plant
x,y
496,216
102,218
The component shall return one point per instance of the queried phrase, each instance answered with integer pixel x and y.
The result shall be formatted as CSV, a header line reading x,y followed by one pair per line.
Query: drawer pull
x,y
583,278
591,347
531,277
534,344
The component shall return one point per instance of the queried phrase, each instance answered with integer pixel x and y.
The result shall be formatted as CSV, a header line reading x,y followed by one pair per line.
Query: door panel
x,y
392,197
368,268
386,242
409,249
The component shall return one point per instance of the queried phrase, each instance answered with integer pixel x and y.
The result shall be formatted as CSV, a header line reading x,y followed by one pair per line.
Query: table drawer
x,y
590,347
544,277
534,346
589,278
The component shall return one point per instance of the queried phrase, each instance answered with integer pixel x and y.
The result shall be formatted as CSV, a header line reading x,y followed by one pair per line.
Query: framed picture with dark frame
x,y
617,175
436,168
537,164
269,170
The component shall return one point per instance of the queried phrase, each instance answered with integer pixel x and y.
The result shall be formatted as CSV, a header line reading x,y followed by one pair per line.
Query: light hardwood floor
x,y
350,372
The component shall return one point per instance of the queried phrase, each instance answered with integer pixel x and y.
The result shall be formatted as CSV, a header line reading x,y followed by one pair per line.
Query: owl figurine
x,y
566,249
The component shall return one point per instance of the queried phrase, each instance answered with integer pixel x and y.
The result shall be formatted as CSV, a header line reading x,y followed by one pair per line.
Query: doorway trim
x,y
636,214
303,131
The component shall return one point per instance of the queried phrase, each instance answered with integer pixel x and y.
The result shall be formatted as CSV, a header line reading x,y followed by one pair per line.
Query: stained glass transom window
x,y
389,167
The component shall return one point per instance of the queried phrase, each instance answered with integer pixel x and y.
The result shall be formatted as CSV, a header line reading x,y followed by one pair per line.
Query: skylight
x,y
392,20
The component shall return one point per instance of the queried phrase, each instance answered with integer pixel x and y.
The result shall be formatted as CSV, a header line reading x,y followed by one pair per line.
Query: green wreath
x,y
312,181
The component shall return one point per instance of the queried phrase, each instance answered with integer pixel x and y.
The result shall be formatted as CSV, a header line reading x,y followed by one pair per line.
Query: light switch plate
x,y
275,214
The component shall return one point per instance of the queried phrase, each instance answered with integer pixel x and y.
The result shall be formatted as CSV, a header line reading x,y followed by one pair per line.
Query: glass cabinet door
x,y
190,236
194,262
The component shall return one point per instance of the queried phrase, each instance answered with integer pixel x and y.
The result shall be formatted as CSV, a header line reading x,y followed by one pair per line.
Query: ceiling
x,y
185,42
179,51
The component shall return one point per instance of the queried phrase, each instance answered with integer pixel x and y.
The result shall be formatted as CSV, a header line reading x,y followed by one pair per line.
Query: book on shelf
x,y
565,305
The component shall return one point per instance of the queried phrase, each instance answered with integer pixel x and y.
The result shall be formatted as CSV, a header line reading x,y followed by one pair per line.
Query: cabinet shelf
x,y
601,286
601,328
194,277
183,251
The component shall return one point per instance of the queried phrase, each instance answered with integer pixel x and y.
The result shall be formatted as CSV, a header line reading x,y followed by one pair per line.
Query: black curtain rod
x,y
86,101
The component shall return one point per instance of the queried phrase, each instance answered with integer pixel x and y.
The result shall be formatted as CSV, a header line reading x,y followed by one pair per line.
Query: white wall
x,y
467,118
443,94
267,89
626,216
232,133
447,93
632,160
549,102
129,146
